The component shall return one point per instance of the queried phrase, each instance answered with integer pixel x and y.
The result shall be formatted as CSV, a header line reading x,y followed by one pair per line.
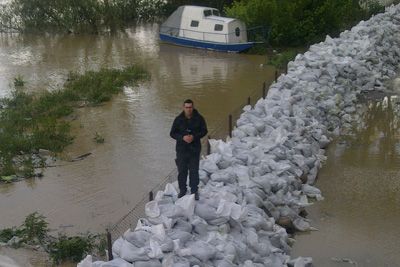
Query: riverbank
x,y
264,173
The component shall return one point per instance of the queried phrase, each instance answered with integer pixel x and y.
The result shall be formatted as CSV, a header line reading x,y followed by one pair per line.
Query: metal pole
x,y
208,145
109,245
151,196
230,125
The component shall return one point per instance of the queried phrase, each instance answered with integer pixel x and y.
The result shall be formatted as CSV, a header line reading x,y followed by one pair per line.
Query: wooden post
x,y
230,125
276,75
286,69
151,196
208,145
248,101
109,245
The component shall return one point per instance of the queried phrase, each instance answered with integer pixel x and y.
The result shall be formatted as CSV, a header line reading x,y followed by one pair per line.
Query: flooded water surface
x,y
359,218
138,152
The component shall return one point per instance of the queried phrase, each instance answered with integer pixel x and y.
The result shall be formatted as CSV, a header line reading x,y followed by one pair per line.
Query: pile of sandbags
x,y
261,179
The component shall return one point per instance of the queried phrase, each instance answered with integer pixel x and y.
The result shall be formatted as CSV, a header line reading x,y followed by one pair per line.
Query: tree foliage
x,y
300,22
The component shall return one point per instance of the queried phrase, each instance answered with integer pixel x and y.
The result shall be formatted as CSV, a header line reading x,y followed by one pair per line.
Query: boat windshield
x,y
207,12
215,12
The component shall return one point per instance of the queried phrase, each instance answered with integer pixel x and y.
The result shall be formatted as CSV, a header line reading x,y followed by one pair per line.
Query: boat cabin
x,y
204,24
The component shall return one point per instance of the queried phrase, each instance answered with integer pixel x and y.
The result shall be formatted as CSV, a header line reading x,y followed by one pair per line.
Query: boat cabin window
x,y
194,23
215,12
218,27
207,12
237,31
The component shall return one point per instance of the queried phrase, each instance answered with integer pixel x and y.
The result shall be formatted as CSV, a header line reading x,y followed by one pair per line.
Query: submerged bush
x,y
34,231
71,248
32,122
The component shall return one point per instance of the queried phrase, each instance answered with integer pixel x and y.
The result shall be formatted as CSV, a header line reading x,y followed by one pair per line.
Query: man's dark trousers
x,y
188,163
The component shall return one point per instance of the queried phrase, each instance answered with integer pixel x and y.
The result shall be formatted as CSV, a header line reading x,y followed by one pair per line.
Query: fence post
x,y
151,196
248,100
208,145
109,245
230,125
263,90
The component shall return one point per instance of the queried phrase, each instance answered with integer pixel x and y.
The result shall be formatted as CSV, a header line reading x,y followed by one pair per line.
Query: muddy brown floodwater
x,y
359,219
138,152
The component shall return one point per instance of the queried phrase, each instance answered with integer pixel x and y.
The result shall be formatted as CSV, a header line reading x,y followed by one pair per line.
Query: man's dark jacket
x,y
182,126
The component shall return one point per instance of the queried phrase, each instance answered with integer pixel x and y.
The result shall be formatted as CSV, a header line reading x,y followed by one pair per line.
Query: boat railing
x,y
200,35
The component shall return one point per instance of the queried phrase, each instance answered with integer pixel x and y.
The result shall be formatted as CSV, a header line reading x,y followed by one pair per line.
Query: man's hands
x,y
188,138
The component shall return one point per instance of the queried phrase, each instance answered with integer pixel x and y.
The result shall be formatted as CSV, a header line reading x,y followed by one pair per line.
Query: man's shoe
x,y
196,196
181,194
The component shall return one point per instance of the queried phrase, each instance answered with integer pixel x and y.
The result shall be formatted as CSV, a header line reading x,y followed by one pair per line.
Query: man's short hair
x,y
188,101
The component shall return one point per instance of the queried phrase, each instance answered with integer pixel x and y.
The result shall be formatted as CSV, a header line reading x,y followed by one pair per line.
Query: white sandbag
x,y
172,211
158,231
138,238
187,203
183,225
155,249
116,246
150,263
151,209
229,209
201,250
86,262
116,263
170,190
179,235
131,253
312,191
301,262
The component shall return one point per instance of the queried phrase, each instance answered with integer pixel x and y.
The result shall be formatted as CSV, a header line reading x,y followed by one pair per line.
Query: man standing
x,y
188,128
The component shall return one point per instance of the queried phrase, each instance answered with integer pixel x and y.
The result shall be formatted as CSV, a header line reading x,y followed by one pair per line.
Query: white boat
x,y
203,27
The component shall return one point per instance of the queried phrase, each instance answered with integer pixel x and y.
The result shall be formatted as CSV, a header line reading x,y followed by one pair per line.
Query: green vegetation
x,y
280,60
73,248
301,22
90,16
34,231
32,122
98,138
19,81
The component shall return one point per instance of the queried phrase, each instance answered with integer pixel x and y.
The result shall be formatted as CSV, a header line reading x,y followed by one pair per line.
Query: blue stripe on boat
x,y
206,45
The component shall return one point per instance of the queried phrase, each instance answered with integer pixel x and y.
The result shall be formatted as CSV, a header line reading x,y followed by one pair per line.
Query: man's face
x,y
188,109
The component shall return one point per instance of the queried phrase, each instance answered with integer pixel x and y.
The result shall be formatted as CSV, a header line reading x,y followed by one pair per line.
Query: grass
x,y
32,122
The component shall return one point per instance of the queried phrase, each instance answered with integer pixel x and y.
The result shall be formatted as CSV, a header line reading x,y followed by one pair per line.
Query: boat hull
x,y
206,45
